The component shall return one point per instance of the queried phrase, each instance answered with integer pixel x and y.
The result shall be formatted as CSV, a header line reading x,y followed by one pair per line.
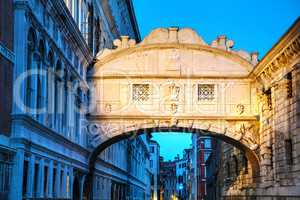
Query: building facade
x,y
203,149
47,48
278,94
154,168
6,83
168,179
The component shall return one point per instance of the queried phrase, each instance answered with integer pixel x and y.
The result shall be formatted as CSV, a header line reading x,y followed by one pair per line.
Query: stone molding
x,y
243,131
282,55
174,38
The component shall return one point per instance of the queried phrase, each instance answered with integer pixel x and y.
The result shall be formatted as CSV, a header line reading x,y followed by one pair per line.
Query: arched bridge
x,y
174,81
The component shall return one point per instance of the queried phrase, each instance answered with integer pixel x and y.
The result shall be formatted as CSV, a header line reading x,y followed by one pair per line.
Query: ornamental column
x,y
71,175
57,191
30,177
64,182
17,172
40,179
82,180
50,180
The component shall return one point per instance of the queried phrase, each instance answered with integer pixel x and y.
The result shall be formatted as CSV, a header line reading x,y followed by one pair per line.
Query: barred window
x,y
140,92
289,85
206,92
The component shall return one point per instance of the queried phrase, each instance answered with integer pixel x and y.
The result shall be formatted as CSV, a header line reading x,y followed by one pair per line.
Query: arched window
x,y
57,80
227,168
236,165
49,86
90,27
65,116
39,96
245,164
97,36
31,44
77,112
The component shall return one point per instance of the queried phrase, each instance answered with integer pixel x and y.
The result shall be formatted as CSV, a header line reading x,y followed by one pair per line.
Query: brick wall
x,y
6,67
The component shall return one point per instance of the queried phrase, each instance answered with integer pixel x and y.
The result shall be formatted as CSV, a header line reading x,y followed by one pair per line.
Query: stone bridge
x,y
174,81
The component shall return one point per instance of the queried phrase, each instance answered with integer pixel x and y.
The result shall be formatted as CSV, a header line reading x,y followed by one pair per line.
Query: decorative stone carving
x,y
174,108
174,92
240,109
108,108
280,61
124,42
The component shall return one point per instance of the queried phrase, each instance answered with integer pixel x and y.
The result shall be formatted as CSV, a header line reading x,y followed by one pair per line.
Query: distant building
x,y
45,155
203,148
168,179
214,171
185,174
6,94
154,168
181,174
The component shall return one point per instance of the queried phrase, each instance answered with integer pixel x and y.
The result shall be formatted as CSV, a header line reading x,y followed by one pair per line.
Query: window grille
x,y
206,92
140,92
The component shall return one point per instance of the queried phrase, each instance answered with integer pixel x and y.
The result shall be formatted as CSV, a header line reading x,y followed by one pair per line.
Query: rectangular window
x,y
289,151
206,92
152,149
140,92
289,85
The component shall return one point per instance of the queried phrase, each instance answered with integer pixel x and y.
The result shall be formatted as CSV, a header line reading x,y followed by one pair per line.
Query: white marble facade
x,y
49,147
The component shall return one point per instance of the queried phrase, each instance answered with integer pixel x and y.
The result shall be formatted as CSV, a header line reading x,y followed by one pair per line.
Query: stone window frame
x,y
205,101
133,98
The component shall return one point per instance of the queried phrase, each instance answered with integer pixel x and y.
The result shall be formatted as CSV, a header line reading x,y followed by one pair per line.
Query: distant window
x,y
207,144
152,150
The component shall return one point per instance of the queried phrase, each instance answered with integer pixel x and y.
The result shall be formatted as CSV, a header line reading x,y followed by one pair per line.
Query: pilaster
x,y
57,190
30,177
50,180
17,172
40,184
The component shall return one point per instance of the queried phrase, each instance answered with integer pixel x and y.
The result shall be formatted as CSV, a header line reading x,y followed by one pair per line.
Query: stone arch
x,y
251,155
173,71
243,144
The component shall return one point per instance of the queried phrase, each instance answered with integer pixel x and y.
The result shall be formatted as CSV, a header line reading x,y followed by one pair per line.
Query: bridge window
x,y
206,92
140,92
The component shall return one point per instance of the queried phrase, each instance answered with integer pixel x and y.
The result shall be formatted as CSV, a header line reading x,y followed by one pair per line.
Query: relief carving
x,y
240,109
174,92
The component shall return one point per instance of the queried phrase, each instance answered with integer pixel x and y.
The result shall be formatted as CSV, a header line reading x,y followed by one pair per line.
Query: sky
x,y
254,25
172,144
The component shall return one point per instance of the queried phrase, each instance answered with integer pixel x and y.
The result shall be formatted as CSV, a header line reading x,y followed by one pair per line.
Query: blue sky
x,y
254,25
172,144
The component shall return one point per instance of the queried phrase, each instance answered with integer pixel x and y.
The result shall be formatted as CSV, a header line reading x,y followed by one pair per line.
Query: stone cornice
x,y
140,48
70,28
284,53
133,20
136,117
46,132
181,77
